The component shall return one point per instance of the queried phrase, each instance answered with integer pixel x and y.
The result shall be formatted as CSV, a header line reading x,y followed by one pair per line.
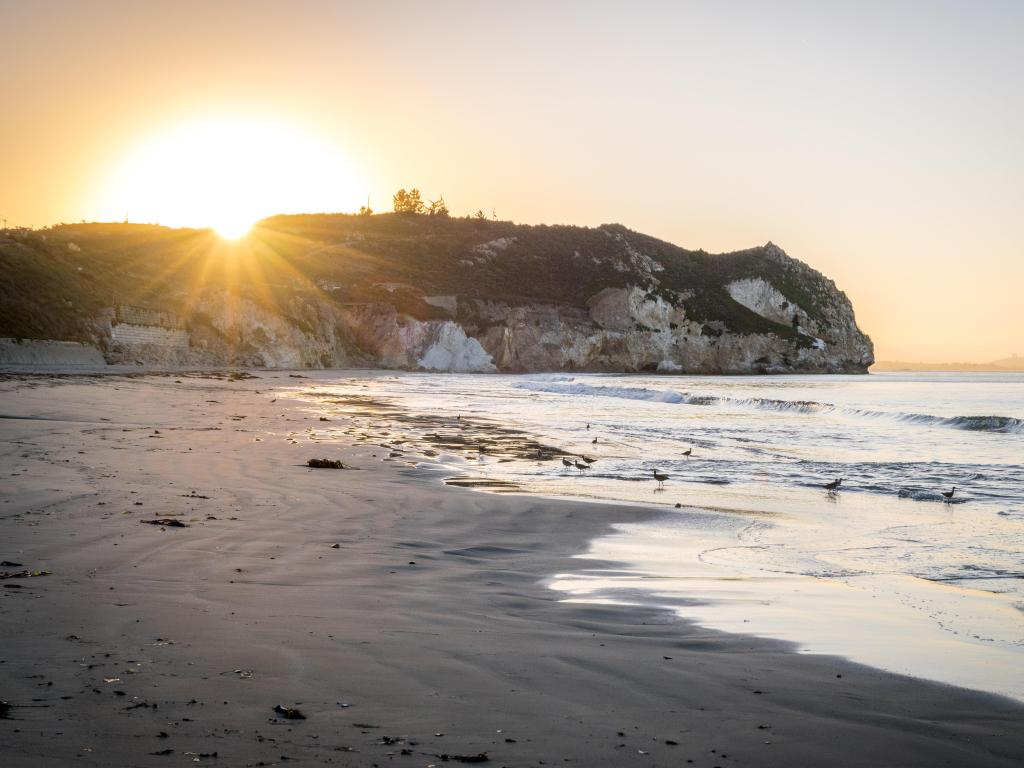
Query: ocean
x,y
886,571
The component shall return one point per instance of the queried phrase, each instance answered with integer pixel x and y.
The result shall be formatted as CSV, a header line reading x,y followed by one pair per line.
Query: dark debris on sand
x,y
480,757
167,522
22,574
288,713
325,464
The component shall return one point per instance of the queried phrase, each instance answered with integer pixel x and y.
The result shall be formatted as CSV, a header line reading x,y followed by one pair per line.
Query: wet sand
x,y
408,621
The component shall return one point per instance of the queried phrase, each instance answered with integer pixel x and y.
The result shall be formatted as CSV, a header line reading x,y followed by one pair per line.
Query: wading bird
x,y
687,452
566,462
581,467
588,459
834,485
949,494
660,478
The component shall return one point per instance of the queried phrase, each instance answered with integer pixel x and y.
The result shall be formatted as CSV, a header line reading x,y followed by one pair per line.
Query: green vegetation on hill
x,y
547,264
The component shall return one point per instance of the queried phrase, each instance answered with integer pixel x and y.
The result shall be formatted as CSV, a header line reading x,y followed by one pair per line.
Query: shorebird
x,y
594,441
687,452
660,478
588,459
566,462
834,485
949,494
581,467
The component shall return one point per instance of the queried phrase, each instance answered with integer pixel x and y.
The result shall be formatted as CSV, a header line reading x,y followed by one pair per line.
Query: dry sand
x,y
428,631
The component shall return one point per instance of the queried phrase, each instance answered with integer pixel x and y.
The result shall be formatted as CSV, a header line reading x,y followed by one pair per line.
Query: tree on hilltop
x,y
408,202
437,207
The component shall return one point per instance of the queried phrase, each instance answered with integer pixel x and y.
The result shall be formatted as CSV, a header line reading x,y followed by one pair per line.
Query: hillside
x,y
414,291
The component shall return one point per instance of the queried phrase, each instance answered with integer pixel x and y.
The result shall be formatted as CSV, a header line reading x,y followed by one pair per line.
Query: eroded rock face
x,y
621,330
626,330
451,350
760,296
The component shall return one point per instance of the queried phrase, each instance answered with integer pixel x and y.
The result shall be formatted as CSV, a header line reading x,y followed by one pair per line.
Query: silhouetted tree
x,y
437,207
365,210
480,214
408,202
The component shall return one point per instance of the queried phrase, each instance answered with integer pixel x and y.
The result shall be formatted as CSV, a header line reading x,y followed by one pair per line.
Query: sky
x,y
880,142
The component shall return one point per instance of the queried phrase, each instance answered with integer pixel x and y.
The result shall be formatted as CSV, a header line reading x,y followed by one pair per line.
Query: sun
x,y
227,173
234,229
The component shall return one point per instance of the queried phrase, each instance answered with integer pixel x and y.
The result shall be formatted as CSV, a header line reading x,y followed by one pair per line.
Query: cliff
x,y
421,292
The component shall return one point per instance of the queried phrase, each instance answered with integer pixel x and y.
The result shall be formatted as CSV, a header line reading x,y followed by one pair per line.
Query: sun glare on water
x,y
227,173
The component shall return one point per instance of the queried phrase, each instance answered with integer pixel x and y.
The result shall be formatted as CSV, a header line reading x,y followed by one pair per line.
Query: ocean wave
x,y
988,423
550,377
1006,424
970,572
628,393
567,386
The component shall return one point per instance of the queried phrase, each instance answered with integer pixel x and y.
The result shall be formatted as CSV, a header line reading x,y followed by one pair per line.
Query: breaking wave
x,y
629,393
566,386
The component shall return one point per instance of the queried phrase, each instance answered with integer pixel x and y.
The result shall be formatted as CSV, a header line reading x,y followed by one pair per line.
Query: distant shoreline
x,y
1015,365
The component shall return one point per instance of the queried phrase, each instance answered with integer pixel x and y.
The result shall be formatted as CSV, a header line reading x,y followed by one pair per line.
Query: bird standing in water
x,y
581,467
660,478
834,485
687,452
949,494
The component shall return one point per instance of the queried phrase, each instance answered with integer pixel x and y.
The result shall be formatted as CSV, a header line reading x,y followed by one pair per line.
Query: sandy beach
x,y
408,622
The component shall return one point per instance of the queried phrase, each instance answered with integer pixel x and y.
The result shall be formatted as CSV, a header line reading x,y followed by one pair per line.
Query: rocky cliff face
x,y
420,293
